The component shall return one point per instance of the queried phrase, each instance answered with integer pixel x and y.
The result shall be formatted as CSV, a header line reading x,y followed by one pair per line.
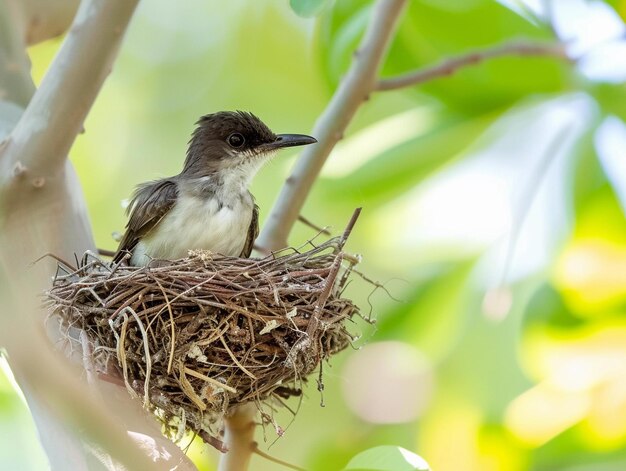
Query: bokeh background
x,y
493,213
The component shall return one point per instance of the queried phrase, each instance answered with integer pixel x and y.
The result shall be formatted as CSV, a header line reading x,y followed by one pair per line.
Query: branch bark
x,y
63,395
239,439
355,88
43,211
329,128
55,114
450,66
45,19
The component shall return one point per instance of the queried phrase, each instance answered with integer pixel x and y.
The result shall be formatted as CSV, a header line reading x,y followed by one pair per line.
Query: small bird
x,y
207,205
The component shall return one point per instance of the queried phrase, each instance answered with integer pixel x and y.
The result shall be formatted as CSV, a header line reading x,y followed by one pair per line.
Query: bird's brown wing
x,y
253,232
150,203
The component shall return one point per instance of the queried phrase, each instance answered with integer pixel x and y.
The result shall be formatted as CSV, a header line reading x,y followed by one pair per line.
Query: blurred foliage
x,y
307,8
501,242
387,458
16,428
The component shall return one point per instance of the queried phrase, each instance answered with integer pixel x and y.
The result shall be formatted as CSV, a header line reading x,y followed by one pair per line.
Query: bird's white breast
x,y
196,222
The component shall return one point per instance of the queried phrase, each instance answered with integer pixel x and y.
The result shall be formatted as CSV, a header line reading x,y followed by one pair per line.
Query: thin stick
x,y
106,252
234,358
90,369
275,460
312,225
212,381
450,66
172,328
188,388
329,128
121,353
328,286
148,357
348,230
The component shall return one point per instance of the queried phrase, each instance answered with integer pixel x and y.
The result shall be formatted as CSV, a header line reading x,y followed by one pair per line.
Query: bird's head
x,y
235,140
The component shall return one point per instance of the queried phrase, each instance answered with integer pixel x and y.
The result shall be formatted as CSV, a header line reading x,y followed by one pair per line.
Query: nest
x,y
199,336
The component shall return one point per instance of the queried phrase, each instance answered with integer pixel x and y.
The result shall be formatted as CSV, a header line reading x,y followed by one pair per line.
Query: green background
x,y
449,174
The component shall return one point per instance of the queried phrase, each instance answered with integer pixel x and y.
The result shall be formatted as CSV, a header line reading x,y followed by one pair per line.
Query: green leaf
x,y
610,97
345,42
387,458
431,31
404,166
435,315
308,8
547,308
588,177
341,28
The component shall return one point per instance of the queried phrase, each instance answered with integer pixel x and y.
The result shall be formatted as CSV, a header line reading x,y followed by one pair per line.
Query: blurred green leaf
x,y
339,37
308,8
431,31
387,458
547,308
435,314
396,170
589,176
600,215
619,6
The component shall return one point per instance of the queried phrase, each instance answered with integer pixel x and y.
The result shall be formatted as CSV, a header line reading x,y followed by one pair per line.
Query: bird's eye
x,y
236,140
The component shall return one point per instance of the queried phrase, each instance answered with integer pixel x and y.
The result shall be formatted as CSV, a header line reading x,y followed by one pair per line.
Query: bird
x,y
208,205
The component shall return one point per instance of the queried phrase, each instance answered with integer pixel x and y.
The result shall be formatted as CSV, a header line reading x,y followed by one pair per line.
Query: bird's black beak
x,y
290,140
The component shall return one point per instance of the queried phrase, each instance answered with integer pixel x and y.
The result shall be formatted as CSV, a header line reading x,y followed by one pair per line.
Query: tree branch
x,y
450,66
45,19
44,374
55,115
43,211
329,128
239,439
15,82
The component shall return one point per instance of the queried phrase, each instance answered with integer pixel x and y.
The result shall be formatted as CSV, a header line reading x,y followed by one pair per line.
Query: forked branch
x,y
360,81
53,219
329,128
44,134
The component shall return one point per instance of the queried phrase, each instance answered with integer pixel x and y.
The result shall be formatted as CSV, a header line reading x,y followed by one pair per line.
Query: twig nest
x,y
198,336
